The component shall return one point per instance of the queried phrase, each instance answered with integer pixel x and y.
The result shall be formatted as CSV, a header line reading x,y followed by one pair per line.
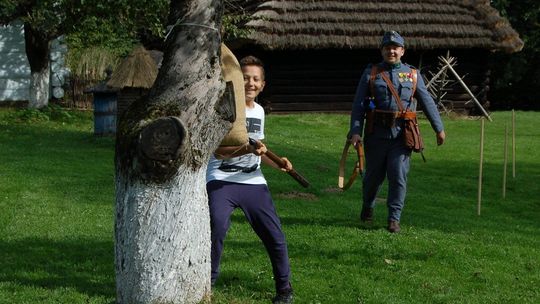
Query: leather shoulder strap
x,y
414,82
374,71
393,91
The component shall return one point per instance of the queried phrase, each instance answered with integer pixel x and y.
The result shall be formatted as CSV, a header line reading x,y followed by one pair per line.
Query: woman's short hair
x,y
252,60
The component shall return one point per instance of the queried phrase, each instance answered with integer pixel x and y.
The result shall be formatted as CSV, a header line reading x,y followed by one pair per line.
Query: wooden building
x,y
133,78
315,51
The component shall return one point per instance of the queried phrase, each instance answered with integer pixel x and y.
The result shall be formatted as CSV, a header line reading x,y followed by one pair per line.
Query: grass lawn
x,y
57,204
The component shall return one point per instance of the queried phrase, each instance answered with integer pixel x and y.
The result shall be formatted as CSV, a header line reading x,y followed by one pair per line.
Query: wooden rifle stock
x,y
276,159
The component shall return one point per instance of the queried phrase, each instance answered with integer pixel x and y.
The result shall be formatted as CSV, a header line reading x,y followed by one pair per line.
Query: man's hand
x,y
440,138
356,140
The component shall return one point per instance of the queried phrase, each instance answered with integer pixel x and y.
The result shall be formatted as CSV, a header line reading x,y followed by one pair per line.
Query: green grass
x,y
57,202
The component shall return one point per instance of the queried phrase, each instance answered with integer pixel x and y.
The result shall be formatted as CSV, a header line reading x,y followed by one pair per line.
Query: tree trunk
x,y
39,88
37,51
162,228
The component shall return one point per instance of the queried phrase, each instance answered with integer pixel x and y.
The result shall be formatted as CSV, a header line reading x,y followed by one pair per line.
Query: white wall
x,y
14,66
59,71
15,69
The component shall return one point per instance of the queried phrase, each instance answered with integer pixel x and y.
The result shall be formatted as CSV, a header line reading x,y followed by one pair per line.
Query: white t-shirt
x,y
244,169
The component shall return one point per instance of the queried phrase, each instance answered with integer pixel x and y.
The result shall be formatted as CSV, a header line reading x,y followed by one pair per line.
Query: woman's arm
x,y
288,165
233,151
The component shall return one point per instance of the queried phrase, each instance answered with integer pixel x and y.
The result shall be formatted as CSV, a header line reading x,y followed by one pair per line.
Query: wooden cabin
x,y
315,51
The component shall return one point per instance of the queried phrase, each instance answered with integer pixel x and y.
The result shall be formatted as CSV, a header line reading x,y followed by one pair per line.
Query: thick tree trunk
x,y
162,229
37,51
39,88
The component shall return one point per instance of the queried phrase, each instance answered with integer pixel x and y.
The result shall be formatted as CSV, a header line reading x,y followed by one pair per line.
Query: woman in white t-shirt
x,y
234,180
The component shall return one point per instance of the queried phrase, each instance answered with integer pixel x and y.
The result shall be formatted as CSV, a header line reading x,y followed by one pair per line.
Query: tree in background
x,y
164,141
114,24
516,77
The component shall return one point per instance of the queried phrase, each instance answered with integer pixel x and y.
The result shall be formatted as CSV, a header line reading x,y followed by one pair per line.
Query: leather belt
x,y
358,167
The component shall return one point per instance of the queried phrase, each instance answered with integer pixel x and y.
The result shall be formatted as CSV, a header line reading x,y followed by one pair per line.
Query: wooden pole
x,y
513,144
505,159
434,78
481,162
466,88
449,60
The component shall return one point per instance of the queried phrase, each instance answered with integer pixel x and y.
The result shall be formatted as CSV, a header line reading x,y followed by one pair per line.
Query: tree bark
x,y
162,226
37,51
39,88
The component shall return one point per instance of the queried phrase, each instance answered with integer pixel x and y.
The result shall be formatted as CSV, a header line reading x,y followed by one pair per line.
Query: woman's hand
x,y
288,165
258,148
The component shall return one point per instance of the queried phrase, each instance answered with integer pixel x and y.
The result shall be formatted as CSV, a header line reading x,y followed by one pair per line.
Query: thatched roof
x,y
138,70
425,24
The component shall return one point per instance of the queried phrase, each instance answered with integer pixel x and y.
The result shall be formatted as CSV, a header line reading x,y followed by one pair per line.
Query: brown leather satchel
x,y
411,131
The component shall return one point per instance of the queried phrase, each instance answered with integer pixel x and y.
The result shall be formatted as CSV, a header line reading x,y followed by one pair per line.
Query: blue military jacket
x,y
400,75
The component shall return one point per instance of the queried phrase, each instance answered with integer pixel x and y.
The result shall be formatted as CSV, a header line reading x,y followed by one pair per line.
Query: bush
x,y
30,115
51,112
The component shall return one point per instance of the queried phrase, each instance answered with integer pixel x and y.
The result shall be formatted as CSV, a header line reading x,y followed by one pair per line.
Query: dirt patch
x,y
323,168
332,190
298,195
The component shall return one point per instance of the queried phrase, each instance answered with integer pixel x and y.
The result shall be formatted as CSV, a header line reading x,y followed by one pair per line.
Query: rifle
x,y
276,159
358,166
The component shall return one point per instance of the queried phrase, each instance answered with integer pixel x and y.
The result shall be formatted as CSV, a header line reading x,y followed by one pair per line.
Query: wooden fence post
x,y
505,159
481,162
513,144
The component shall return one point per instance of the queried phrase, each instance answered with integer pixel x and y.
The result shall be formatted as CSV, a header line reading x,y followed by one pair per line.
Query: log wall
x,y
326,80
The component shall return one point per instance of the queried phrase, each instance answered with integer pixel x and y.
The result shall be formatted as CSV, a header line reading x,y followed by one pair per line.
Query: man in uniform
x,y
385,150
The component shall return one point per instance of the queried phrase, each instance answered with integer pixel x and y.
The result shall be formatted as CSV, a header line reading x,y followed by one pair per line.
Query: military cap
x,y
392,37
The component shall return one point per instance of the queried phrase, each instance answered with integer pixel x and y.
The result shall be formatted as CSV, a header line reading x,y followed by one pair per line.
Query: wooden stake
x,y
481,162
513,144
434,78
505,159
466,88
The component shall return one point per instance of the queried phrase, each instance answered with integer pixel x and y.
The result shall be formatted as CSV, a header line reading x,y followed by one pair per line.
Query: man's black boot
x,y
366,216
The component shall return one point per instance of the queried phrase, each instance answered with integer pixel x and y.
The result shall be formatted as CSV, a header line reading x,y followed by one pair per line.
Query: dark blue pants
x,y
258,207
386,158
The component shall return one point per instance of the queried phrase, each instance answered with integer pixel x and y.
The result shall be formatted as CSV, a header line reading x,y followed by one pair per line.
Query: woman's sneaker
x,y
283,297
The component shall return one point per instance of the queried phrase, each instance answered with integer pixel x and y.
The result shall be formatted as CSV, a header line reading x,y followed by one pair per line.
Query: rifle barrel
x,y
297,176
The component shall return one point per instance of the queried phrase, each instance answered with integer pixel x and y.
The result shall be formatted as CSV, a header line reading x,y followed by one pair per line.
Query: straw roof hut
x,y
133,77
137,70
427,24
302,41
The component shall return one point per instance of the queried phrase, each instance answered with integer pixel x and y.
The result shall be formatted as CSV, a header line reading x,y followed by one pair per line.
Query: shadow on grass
x,y
320,221
82,264
22,135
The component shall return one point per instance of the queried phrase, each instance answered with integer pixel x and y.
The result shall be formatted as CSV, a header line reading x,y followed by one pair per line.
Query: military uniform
x,y
385,151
